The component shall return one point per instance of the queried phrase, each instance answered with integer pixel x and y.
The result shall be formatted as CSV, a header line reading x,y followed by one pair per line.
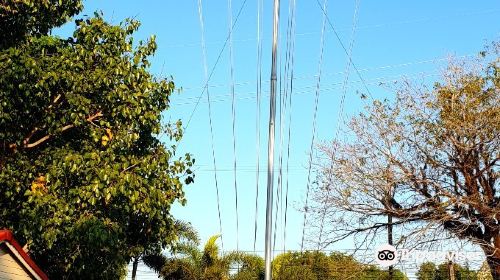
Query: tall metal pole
x,y
270,146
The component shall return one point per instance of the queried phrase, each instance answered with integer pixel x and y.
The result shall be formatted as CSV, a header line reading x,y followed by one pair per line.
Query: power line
x,y
233,115
368,26
308,77
283,110
344,48
260,7
332,86
341,111
204,54
205,87
292,60
318,84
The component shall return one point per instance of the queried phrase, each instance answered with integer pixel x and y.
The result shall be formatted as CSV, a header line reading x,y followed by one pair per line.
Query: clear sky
x,y
393,39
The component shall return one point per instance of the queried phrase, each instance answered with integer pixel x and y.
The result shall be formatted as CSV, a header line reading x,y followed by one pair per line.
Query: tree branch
x,y
27,145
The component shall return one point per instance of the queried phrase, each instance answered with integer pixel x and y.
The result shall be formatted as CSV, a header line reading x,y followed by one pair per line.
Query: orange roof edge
x,y
8,237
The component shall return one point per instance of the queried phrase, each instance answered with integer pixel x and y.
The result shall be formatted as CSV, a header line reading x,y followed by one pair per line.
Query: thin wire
x,y
370,26
278,190
204,53
205,87
280,157
283,110
337,85
341,111
284,102
315,76
320,62
257,122
233,115
344,48
292,59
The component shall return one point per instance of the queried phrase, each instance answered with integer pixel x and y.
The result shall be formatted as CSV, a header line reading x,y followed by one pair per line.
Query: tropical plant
x,y
188,262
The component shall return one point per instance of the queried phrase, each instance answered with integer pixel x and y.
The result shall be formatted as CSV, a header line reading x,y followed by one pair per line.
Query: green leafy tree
x,y
249,266
309,265
84,179
345,267
316,265
461,273
22,18
427,271
465,273
373,272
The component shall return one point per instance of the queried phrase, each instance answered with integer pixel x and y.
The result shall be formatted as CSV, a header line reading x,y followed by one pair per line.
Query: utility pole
x,y
389,197
389,240
270,146
451,270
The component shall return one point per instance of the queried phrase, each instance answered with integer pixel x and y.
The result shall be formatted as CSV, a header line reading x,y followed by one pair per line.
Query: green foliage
x,y
372,272
429,271
319,266
461,273
249,266
296,265
210,253
83,177
190,263
22,18
80,246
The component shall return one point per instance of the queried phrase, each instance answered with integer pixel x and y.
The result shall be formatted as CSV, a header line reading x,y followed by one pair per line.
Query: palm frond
x,y
211,251
155,261
185,231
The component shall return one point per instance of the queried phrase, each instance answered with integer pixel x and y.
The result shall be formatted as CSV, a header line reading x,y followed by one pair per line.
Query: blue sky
x,y
393,39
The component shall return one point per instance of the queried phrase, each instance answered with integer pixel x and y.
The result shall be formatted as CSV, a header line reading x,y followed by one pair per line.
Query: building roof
x,y
7,237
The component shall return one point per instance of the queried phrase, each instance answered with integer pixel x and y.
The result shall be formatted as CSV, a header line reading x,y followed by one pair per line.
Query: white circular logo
x,y
385,255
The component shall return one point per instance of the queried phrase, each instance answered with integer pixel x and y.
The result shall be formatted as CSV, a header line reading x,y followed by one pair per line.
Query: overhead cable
x,y
205,87
316,101
204,55
323,9
233,115
341,110
291,71
260,6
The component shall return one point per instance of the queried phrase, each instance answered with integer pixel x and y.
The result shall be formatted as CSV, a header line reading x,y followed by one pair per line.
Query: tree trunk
x,y
451,270
493,257
134,268
389,240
